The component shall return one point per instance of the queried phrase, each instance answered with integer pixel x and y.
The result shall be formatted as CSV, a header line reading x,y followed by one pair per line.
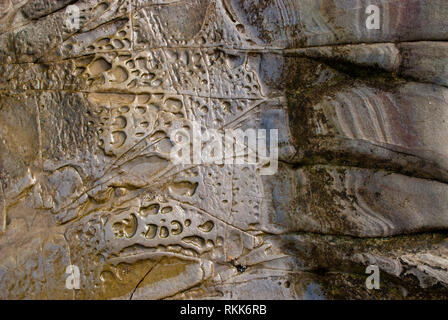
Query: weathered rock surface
x,y
88,120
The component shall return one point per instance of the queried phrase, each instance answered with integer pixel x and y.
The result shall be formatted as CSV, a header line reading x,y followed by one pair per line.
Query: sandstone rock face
x,y
94,93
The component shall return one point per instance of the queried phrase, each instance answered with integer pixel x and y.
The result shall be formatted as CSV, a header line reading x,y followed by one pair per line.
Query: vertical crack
x,y
144,277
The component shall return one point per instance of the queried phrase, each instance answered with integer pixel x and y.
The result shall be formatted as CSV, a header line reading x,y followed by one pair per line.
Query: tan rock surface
x,y
89,116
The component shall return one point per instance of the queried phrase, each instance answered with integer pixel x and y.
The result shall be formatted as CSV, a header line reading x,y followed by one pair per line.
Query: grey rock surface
x,y
93,94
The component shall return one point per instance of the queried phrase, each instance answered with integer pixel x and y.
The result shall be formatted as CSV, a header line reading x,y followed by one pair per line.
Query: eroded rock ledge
x,y
87,122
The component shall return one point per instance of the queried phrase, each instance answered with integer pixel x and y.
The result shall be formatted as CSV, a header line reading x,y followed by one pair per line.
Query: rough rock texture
x,y
87,118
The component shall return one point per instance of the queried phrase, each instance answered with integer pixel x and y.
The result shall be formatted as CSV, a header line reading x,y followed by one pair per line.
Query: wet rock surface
x,y
90,103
